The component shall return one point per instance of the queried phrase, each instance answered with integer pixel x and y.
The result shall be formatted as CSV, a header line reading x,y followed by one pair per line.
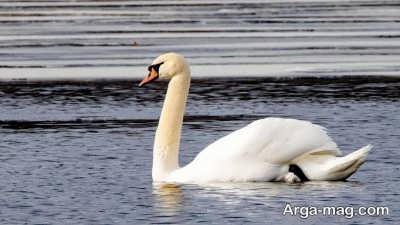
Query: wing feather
x,y
270,140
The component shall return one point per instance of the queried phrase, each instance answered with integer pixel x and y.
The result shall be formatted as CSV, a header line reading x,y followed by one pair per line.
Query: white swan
x,y
270,149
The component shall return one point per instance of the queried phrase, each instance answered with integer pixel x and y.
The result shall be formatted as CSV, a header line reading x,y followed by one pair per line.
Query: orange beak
x,y
153,75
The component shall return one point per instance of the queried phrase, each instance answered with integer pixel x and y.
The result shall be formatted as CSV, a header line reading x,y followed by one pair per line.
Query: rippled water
x,y
89,39
81,153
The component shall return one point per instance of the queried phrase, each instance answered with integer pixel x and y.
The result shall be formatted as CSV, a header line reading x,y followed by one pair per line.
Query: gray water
x,y
90,39
80,152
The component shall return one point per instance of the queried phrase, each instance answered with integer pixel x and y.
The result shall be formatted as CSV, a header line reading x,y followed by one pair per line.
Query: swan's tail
x,y
344,167
328,167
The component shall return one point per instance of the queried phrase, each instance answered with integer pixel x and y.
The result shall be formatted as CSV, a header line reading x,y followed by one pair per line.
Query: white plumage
x,y
263,150
270,149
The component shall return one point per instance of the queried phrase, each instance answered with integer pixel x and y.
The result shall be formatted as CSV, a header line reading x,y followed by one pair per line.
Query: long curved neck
x,y
167,139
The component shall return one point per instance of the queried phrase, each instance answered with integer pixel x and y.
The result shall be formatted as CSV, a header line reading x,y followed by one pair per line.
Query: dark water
x,y
80,153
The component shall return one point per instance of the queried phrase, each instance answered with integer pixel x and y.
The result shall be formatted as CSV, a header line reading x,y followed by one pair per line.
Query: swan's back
x,y
273,140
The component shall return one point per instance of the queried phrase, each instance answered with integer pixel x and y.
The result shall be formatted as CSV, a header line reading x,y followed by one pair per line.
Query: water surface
x,y
91,39
81,153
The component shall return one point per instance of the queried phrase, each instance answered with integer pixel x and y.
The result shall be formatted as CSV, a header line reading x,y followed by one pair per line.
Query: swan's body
x,y
270,149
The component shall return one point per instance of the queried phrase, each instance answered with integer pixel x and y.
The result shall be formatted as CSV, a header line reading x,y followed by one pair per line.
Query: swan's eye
x,y
156,67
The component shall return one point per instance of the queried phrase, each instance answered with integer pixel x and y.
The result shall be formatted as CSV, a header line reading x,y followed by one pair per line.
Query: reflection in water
x,y
231,192
79,153
168,198
69,150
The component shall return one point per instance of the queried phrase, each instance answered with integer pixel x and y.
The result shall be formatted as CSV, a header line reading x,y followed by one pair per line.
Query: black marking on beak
x,y
153,74
156,67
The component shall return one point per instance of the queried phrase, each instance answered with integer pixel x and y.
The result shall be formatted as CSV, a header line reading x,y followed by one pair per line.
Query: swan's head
x,y
166,66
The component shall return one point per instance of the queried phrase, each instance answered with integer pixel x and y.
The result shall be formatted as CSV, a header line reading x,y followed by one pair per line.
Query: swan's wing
x,y
270,140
